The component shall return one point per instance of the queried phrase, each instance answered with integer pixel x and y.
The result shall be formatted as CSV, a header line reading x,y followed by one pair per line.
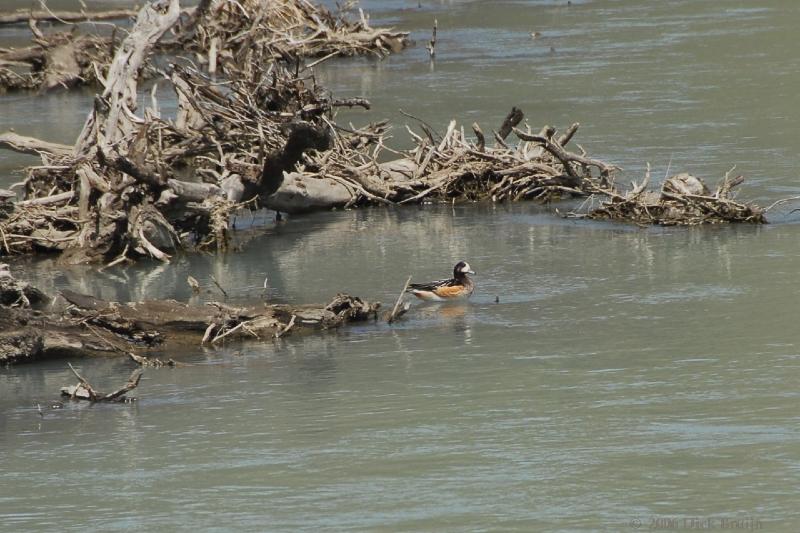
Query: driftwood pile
x,y
450,167
253,129
116,191
260,134
683,200
58,60
34,326
215,32
228,31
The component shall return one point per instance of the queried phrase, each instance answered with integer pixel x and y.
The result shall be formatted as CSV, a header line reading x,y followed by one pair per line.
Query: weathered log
x,y
27,336
120,93
187,191
684,184
23,56
32,145
399,170
50,200
85,325
152,232
19,345
22,17
299,193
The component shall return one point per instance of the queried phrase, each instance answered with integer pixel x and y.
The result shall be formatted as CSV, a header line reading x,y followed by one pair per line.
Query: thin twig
x,y
281,332
397,310
219,286
86,386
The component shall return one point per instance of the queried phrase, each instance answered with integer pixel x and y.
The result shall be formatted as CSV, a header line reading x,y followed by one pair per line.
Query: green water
x,y
627,379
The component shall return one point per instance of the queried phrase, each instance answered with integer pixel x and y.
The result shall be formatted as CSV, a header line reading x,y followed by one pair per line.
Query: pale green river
x,y
628,379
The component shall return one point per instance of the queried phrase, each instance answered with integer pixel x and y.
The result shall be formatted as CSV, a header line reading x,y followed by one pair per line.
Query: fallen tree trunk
x,y
82,325
300,193
22,17
31,145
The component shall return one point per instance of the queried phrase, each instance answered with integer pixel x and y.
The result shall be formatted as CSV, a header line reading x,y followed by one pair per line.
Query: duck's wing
x,y
433,285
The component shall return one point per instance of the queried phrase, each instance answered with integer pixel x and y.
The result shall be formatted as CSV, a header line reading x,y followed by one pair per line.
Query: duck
x,y
457,287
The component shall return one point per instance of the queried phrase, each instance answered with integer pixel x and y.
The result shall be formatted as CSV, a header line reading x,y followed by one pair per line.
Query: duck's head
x,y
462,268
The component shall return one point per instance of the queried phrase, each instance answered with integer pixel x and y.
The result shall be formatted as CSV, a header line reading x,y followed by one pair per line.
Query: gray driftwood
x,y
81,325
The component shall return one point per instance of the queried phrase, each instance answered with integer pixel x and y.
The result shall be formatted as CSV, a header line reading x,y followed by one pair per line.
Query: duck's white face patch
x,y
466,268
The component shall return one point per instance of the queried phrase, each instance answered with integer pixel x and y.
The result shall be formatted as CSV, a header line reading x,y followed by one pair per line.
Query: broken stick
x,y
84,391
399,310
432,44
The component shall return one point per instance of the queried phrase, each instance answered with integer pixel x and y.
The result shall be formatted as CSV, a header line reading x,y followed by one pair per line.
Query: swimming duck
x,y
459,286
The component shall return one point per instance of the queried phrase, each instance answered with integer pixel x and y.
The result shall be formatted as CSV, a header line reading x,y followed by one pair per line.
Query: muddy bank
x,y
36,326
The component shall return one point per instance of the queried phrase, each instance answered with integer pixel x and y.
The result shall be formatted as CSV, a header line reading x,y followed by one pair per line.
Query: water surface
x,y
601,377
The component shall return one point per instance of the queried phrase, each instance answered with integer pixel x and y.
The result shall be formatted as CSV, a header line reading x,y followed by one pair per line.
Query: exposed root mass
x,y
253,129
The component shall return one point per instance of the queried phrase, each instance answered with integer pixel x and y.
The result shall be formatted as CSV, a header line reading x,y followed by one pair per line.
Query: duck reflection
x,y
451,316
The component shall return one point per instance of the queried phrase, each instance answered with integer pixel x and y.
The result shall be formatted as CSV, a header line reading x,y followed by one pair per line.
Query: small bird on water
x,y
459,286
